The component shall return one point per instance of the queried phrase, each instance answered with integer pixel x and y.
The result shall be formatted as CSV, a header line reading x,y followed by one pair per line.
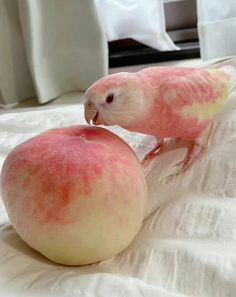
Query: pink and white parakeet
x,y
165,102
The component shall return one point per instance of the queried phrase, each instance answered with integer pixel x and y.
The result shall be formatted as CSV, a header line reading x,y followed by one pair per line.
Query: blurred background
x,y
52,51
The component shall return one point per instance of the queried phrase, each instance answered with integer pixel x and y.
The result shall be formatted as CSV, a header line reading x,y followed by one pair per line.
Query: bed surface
x,y
187,244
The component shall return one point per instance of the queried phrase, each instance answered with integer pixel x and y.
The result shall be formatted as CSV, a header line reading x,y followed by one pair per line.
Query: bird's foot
x,y
194,151
152,154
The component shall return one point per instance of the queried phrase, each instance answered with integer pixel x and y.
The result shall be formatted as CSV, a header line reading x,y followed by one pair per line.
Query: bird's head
x,y
117,99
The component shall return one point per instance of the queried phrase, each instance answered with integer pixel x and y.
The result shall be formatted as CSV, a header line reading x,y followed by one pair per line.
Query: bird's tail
x,y
228,65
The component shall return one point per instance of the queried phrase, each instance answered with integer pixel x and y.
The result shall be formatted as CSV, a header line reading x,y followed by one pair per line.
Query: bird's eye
x,y
110,98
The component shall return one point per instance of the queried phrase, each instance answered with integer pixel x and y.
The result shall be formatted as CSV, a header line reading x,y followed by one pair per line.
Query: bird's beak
x,y
90,112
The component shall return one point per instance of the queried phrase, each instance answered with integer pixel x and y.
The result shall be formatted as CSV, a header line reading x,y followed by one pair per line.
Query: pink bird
x,y
165,102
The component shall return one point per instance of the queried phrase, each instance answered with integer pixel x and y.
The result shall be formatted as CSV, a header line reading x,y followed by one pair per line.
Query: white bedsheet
x,y
186,247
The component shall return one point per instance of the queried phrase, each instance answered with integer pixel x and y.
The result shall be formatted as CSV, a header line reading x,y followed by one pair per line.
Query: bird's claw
x,y
152,154
194,153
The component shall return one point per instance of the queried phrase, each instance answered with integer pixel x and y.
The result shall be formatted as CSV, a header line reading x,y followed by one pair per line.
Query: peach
x,y
74,194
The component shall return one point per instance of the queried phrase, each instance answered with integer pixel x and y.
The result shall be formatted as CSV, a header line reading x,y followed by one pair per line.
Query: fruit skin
x,y
74,194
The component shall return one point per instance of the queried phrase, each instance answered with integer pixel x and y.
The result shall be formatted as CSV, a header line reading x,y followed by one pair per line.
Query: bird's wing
x,y
200,94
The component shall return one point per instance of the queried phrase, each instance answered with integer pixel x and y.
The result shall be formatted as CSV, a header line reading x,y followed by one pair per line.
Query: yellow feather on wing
x,y
207,110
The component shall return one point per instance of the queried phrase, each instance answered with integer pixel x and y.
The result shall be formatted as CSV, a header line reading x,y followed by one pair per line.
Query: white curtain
x,y
49,47
15,78
141,20
217,28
